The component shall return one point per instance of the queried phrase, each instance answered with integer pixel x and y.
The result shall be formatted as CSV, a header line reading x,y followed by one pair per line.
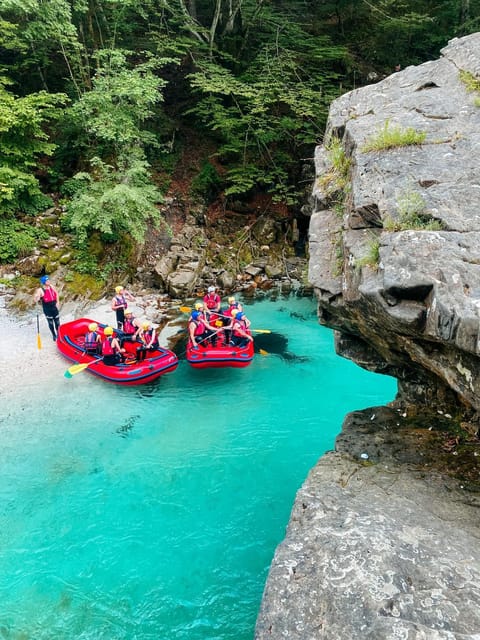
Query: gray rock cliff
x,y
383,539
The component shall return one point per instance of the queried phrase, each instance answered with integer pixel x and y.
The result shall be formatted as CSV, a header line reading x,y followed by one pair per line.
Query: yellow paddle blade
x,y
39,341
78,367
263,352
185,309
261,330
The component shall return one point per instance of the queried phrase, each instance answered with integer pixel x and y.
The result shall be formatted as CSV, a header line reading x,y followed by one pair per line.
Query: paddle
x,y
261,330
263,352
39,339
77,368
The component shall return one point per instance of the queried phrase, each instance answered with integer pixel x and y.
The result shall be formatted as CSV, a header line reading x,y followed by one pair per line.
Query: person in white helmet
x,y
212,300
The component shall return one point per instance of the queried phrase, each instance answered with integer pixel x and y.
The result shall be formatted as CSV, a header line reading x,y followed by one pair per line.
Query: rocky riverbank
x,y
383,539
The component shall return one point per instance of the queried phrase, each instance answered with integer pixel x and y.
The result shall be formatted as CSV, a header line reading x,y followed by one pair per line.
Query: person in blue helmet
x,y
48,296
240,329
199,328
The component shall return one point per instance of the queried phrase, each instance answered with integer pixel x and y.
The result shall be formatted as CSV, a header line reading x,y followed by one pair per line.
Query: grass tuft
x,y
391,136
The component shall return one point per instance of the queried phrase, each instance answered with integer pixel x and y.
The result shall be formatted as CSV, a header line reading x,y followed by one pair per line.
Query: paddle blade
x,y
261,330
186,309
77,368
39,341
263,352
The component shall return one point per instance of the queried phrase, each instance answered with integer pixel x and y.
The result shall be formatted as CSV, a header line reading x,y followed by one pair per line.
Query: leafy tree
x,y
269,115
113,201
23,142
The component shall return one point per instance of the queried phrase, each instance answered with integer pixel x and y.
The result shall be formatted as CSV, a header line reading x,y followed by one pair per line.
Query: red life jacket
x,y
49,294
228,312
107,349
128,327
211,300
240,324
147,336
91,340
199,328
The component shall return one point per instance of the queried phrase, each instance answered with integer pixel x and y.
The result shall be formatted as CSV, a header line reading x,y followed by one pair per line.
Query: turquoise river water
x,y
152,513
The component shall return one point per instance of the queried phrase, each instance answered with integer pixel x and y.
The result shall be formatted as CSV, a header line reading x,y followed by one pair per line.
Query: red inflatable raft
x,y
70,342
206,356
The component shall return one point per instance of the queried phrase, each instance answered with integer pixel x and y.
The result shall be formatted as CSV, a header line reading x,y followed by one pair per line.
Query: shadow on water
x,y
273,343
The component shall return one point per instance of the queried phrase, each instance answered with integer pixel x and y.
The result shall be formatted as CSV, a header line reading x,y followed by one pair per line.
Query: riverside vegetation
x,y
103,105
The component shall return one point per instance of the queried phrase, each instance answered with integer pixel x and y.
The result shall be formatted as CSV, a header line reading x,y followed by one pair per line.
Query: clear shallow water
x,y
153,513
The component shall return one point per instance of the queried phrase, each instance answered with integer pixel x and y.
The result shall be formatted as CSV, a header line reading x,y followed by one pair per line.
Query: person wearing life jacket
x,y
93,340
130,327
199,329
120,302
233,305
148,338
212,300
208,319
111,349
240,325
48,296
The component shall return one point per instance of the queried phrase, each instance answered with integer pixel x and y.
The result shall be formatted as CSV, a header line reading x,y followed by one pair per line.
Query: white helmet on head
x,y
211,289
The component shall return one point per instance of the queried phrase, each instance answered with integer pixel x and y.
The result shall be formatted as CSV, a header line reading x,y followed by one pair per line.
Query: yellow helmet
x,y
127,312
118,289
231,300
234,312
198,306
108,331
145,325
93,326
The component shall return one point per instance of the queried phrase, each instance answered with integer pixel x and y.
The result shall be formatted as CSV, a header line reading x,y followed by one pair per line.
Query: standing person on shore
x,y
48,296
119,303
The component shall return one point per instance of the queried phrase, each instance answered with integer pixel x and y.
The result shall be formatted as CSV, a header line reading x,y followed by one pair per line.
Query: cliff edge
x,y
383,539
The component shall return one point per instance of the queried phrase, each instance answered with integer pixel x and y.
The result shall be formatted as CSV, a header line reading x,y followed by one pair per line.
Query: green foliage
x,y
23,140
470,81
472,84
20,192
113,114
372,258
113,202
391,136
207,183
266,117
17,239
412,215
337,178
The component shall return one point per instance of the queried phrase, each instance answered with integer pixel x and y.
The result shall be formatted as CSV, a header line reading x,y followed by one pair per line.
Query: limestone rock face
x,y
380,545
404,292
384,539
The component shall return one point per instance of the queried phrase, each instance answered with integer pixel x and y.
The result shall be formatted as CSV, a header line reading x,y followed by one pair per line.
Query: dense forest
x,y
99,98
